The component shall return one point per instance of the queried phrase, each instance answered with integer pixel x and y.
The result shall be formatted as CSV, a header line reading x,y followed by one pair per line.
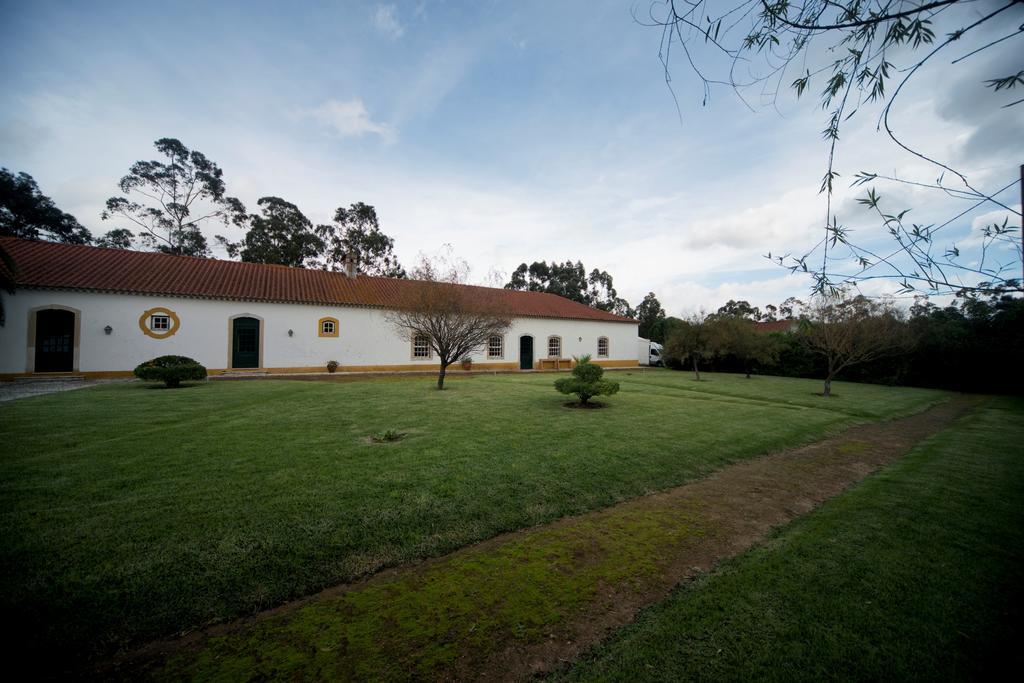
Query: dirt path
x,y
524,603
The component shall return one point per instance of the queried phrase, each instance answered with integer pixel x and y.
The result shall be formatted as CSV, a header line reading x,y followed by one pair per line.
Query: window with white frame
x,y
160,323
421,346
327,327
602,347
554,347
496,347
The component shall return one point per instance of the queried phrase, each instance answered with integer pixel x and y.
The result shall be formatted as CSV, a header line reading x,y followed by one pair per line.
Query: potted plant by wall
x,y
332,366
467,363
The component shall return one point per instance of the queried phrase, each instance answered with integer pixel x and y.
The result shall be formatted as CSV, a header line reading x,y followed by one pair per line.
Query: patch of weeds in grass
x,y
388,436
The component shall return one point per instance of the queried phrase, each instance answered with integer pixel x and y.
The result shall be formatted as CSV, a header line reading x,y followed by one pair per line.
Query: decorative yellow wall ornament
x,y
150,322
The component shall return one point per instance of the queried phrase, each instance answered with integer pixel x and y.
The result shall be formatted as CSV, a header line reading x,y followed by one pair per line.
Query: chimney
x,y
351,263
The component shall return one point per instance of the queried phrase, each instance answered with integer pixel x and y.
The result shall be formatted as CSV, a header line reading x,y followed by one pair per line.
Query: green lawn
x,y
131,513
914,574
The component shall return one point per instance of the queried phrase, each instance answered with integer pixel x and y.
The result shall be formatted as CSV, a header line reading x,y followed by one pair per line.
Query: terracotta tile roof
x,y
69,266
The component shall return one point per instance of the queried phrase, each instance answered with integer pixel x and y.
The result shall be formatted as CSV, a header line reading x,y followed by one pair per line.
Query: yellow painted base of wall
x,y
213,372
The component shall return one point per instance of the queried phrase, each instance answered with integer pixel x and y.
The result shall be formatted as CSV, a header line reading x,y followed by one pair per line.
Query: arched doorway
x,y
245,342
526,352
55,340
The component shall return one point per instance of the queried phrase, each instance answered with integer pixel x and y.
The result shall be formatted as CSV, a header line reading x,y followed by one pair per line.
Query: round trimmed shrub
x,y
586,382
171,370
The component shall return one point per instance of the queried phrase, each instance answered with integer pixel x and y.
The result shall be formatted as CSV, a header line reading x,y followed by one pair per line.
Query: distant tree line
x,y
968,345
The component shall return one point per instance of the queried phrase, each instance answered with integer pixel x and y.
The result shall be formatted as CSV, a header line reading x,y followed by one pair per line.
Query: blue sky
x,y
512,131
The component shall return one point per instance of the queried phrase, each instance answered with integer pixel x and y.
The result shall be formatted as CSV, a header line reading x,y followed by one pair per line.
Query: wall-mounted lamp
x,y
581,339
108,329
291,333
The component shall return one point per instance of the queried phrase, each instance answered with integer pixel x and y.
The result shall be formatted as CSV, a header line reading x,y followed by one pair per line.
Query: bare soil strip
x,y
524,603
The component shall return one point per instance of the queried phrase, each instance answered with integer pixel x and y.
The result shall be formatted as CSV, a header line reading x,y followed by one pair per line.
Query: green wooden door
x,y
245,343
526,353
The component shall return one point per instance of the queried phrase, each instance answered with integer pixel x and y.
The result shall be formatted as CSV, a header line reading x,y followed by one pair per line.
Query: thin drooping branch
x,y
865,39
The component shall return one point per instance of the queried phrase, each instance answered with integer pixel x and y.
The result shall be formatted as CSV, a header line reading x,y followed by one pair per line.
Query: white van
x,y
649,353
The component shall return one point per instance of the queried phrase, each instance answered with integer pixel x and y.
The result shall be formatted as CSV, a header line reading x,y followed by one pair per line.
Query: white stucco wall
x,y
365,337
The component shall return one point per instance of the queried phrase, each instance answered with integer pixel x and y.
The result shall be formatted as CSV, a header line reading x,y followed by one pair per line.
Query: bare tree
x,y
453,318
852,331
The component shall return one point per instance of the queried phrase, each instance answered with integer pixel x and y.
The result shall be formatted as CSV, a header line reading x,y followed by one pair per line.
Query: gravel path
x,y
11,391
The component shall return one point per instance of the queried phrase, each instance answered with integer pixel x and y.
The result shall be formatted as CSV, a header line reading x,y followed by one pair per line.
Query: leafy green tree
x,y
648,314
858,55
175,198
587,381
280,235
27,213
691,339
567,279
736,336
119,238
740,309
662,328
570,280
791,308
356,230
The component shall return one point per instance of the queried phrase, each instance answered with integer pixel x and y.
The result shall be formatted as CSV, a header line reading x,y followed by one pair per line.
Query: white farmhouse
x,y
100,312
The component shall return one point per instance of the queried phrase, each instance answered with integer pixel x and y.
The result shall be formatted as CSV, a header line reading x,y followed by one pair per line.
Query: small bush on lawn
x,y
586,381
171,370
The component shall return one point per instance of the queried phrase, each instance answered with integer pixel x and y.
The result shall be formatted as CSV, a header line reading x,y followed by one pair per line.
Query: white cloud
x,y
385,21
976,238
349,118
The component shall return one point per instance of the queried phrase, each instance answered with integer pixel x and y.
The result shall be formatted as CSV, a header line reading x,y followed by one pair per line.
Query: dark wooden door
x,y
526,353
55,341
245,343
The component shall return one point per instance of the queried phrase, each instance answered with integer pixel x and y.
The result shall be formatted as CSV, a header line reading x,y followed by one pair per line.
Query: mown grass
x,y
130,513
914,574
420,625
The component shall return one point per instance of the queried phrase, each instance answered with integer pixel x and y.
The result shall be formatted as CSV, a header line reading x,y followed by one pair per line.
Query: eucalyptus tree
x,y
280,234
28,213
169,201
649,313
356,230
571,280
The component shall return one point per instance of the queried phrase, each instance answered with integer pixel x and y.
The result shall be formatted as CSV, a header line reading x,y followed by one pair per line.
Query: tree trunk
x,y
440,376
828,386
696,370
